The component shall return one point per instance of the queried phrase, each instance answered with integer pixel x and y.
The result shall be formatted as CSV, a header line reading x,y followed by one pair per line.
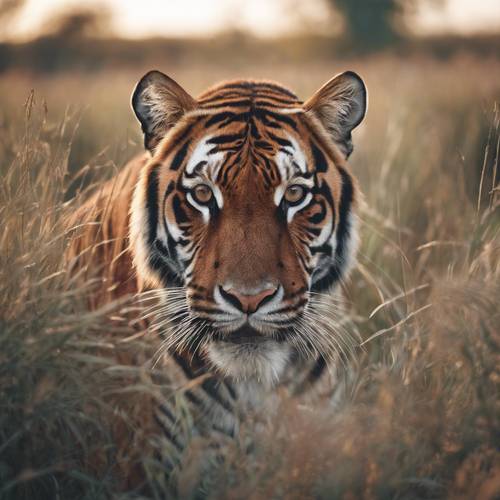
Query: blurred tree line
x,y
8,9
369,24
83,38
375,24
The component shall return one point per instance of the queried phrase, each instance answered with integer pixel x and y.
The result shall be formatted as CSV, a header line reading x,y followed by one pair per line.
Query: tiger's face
x,y
244,213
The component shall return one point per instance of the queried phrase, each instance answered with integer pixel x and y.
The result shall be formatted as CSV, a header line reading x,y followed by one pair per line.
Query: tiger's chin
x,y
257,359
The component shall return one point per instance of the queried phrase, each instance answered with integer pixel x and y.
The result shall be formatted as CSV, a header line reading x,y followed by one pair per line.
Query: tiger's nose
x,y
248,303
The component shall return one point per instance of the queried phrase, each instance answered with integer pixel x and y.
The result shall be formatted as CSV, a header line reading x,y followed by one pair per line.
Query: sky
x,y
139,18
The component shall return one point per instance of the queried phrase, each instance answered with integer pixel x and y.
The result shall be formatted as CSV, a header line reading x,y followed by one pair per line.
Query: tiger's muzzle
x,y
248,315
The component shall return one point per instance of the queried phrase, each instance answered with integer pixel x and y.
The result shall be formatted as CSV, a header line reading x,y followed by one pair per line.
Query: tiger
x,y
240,215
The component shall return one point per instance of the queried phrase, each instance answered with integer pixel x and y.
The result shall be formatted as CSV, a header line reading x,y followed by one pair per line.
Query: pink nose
x,y
247,303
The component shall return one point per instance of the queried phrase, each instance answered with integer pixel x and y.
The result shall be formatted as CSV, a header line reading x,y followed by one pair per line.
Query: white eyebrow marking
x,y
293,210
201,154
205,212
278,194
298,155
212,163
291,163
290,111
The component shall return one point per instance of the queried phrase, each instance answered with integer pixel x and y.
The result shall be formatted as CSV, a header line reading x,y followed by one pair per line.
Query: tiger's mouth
x,y
245,335
247,354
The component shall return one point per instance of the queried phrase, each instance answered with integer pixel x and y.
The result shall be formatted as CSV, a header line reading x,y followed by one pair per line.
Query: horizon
x,y
195,18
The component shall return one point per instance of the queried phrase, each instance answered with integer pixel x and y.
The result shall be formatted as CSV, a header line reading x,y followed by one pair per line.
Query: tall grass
x,y
415,416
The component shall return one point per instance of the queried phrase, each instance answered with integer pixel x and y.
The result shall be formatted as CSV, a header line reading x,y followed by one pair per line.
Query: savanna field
x,y
415,412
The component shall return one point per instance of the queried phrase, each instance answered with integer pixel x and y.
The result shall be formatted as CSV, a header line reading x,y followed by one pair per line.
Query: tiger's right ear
x,y
340,105
159,102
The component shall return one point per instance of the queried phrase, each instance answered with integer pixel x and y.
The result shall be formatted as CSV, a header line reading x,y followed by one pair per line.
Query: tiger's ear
x,y
340,105
159,102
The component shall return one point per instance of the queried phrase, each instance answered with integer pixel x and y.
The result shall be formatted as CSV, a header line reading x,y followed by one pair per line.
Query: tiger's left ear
x,y
159,102
340,105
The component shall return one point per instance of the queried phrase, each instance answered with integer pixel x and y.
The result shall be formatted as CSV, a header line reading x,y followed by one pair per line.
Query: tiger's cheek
x,y
206,270
209,266
293,262
315,223
184,230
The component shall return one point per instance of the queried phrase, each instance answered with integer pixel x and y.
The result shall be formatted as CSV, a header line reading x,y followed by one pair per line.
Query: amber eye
x,y
295,193
202,194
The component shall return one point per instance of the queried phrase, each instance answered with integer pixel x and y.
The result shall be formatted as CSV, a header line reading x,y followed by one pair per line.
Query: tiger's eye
x,y
295,193
202,193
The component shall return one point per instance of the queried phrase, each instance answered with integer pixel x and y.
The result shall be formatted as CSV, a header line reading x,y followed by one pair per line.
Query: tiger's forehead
x,y
285,162
248,125
244,127
249,93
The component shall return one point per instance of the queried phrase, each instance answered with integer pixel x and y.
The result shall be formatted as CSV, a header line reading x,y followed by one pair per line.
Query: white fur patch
x,y
351,243
206,174
139,229
298,155
291,164
325,233
201,153
293,210
205,212
264,362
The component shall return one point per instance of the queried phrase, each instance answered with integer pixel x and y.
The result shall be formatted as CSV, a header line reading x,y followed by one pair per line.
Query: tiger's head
x,y
246,211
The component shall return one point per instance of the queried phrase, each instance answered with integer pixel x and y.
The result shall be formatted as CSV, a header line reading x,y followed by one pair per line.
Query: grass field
x,y
416,414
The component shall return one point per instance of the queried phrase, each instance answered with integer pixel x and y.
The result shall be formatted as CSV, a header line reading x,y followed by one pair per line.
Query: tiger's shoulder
x,y
98,234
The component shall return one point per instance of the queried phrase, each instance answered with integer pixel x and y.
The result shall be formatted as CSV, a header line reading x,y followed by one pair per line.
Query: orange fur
x,y
99,247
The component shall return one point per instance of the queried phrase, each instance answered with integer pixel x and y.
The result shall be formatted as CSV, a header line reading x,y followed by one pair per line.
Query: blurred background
x,y
73,53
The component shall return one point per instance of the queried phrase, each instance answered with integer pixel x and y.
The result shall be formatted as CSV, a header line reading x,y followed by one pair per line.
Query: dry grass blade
x,y
397,325
398,297
413,417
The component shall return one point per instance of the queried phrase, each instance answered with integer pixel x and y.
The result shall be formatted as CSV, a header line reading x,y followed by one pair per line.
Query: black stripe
x,y
238,85
152,203
224,139
292,307
179,156
319,158
183,242
179,212
319,216
194,399
324,190
295,294
210,387
262,144
267,101
325,249
254,131
277,88
168,433
227,168
163,265
160,260
280,118
196,287
192,175
220,95
241,103
208,310
230,389
219,117
318,370
163,408
162,249
282,142
314,231
337,267
189,369
344,227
